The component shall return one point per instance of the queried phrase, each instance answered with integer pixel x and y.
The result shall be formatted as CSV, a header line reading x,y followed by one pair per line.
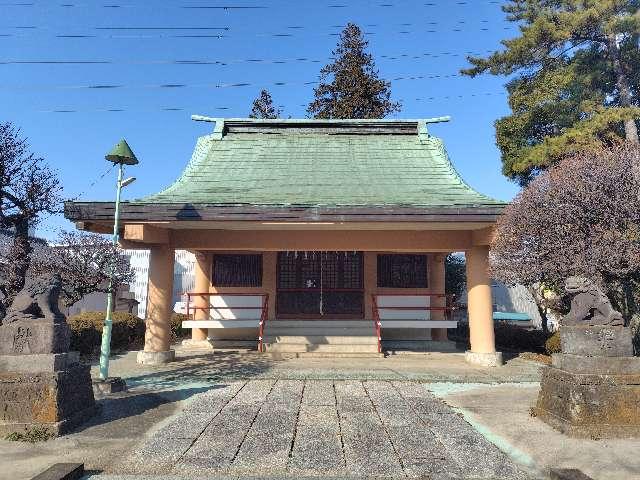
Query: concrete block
x,y
108,386
484,359
39,362
597,341
62,471
155,358
567,474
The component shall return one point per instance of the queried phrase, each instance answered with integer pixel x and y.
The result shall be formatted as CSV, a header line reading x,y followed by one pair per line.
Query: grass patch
x,y
35,434
536,357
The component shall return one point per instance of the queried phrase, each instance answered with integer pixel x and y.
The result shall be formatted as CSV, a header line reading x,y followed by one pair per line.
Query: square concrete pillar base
x,y
191,344
108,386
155,358
484,359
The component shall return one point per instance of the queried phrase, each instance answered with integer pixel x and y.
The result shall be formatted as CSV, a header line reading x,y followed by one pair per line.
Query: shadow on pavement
x,y
206,368
173,382
127,405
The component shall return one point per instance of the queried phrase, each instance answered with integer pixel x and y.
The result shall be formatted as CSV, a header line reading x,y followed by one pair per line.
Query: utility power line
x,y
223,108
205,85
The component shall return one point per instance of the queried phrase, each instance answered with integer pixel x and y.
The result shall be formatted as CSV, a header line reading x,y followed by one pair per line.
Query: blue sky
x,y
162,61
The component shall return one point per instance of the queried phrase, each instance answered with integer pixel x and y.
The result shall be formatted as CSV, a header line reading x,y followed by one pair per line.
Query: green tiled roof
x,y
323,163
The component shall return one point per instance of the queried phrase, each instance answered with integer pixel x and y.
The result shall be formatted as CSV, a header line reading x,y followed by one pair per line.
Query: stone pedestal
x,y
41,383
56,400
592,389
597,341
26,337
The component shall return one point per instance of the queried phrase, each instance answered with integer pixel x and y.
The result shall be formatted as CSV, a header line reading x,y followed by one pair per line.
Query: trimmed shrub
x,y
509,337
177,332
86,331
552,345
513,337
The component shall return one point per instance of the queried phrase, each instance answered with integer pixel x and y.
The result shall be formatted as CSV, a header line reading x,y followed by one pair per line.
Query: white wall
x,y
183,281
183,276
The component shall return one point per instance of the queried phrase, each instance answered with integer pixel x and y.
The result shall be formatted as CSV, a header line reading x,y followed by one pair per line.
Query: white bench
x,y
230,311
406,317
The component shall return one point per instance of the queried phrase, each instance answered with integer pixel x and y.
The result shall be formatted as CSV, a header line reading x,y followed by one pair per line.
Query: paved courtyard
x,y
294,428
215,415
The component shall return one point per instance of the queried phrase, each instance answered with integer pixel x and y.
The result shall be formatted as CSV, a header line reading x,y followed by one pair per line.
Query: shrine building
x,y
313,237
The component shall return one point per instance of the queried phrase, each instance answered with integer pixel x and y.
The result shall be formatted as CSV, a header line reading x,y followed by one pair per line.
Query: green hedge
x,y
86,331
127,332
509,337
177,332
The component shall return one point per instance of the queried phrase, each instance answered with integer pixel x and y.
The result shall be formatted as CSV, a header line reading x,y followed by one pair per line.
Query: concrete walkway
x,y
318,427
200,368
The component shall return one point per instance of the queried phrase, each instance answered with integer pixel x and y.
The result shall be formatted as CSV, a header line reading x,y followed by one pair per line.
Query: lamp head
x,y
127,181
122,154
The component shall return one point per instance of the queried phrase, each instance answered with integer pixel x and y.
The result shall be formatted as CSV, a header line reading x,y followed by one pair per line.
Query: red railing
x,y
448,308
264,308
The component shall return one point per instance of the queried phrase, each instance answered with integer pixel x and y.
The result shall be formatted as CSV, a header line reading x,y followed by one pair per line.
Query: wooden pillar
x,y
480,309
370,283
269,280
157,338
201,285
437,285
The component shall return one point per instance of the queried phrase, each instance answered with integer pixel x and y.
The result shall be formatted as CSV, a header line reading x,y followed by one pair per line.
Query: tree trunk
x,y
622,82
19,252
542,310
630,301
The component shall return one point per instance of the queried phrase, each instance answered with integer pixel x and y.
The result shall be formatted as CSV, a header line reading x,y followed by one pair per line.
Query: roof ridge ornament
x,y
286,123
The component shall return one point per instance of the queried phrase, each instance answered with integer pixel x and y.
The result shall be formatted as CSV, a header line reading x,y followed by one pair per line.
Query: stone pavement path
x,y
297,428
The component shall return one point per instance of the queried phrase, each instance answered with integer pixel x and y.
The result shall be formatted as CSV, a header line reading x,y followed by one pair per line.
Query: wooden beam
x,y
323,240
94,227
482,237
146,234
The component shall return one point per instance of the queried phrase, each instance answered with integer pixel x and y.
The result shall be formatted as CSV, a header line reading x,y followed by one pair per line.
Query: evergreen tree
x,y
575,79
350,87
263,107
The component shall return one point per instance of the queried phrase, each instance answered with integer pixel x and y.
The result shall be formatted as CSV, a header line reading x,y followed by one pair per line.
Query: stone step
x,y
403,347
286,355
320,348
321,323
319,332
231,343
322,339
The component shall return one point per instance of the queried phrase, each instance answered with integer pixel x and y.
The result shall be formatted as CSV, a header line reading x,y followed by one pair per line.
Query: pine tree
x,y
575,80
263,107
349,87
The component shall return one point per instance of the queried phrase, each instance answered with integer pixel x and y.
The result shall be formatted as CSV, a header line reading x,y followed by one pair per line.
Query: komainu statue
x,y
589,306
37,300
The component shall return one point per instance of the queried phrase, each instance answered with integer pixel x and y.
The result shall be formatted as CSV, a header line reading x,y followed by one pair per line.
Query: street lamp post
x,y
121,155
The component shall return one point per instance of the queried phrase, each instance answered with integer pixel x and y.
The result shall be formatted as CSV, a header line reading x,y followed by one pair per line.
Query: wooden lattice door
x,y
320,285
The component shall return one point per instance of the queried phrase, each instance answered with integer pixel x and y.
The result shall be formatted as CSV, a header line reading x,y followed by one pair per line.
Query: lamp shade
x,y
122,153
